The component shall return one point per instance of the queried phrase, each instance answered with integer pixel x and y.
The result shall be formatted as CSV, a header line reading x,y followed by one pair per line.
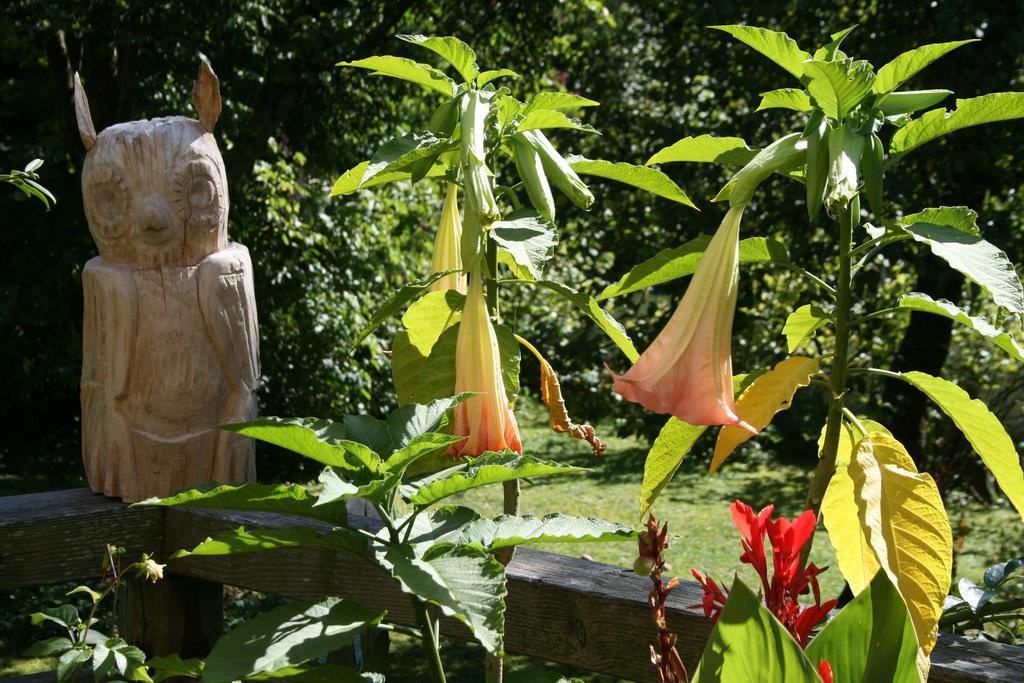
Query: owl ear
x,y
86,130
206,96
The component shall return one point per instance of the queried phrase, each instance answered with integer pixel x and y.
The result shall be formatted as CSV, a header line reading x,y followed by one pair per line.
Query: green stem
x,y
877,314
430,646
492,281
840,360
810,276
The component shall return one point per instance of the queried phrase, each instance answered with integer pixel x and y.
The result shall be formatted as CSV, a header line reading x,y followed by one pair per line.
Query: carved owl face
x,y
155,191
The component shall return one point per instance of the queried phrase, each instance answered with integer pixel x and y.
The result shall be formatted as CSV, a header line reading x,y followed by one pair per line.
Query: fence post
x,y
176,615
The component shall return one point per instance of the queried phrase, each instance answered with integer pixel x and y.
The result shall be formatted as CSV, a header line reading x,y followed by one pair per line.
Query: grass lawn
x,y
695,505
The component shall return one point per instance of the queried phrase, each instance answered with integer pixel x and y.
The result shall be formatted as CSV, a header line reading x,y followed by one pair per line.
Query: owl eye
x,y
196,195
107,204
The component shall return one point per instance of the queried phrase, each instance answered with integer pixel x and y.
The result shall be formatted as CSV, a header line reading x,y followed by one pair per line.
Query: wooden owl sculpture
x,y
170,338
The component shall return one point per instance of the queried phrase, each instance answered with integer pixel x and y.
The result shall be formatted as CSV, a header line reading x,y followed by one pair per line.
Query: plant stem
x,y
430,645
493,664
840,360
492,281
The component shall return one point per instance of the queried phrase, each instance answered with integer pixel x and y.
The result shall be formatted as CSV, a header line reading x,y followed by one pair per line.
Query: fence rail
x,y
577,612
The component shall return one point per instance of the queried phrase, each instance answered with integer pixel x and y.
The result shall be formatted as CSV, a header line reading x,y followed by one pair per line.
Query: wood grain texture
x,y
564,609
170,338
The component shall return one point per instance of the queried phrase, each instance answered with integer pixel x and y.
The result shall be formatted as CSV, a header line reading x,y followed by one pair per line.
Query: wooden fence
x,y
577,612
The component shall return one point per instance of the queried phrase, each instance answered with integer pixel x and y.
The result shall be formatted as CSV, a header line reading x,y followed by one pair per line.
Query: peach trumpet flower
x,y
486,419
687,370
447,246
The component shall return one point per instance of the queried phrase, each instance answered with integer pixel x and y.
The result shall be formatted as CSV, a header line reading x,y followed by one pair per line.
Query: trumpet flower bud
x,y
447,248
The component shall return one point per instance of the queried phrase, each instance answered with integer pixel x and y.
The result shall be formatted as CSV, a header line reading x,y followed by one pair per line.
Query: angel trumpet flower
x,y
687,370
486,419
447,251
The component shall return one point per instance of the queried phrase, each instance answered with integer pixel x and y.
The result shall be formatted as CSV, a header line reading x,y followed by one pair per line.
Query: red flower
x,y
825,671
788,581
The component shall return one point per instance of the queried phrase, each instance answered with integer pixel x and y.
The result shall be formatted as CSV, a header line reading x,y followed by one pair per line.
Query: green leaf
x,y
243,540
785,98
802,323
62,615
489,468
677,262
909,101
289,635
320,673
831,50
787,151
115,656
407,70
511,530
412,153
453,50
749,644
427,318
674,442
1000,106
321,440
604,320
774,45
282,499
558,101
915,301
905,66
706,149
528,238
407,293
959,217
51,647
999,573
981,429
465,582
173,665
838,87
334,488
979,260
93,595
353,179
550,118
70,662
871,639
488,76
423,446
642,177
816,170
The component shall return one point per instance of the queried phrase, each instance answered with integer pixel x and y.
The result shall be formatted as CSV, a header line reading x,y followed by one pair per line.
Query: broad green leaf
x,y
785,98
94,596
488,76
489,468
857,560
438,524
642,177
51,647
528,238
959,217
404,153
173,665
281,499
677,262
549,118
706,149
905,523
905,66
909,101
407,70
350,181
838,87
604,320
334,488
871,639
980,427
115,658
289,635
749,644
1000,106
408,423
407,293
802,323
465,582
978,259
319,673
62,615
916,301
558,101
769,394
453,50
421,447
999,573
243,540
510,530
70,662
671,447
774,45
427,318
353,179
831,50
321,440
785,152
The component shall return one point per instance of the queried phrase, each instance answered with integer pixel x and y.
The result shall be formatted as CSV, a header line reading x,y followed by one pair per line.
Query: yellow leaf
x,y
856,558
770,393
906,525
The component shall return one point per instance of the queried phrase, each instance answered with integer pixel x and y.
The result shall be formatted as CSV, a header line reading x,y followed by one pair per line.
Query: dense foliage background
x,y
293,122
